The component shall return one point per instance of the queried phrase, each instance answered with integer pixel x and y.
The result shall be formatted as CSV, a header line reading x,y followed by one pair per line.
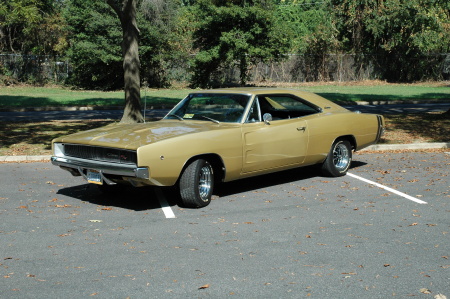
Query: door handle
x,y
301,129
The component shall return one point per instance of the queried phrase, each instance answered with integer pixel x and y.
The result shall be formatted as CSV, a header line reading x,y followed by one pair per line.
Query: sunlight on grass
x,y
26,96
55,96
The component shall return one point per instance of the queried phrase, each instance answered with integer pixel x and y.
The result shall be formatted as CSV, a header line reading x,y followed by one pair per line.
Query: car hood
x,y
132,136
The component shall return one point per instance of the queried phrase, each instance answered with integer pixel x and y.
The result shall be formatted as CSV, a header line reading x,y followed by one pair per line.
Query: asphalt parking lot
x,y
293,234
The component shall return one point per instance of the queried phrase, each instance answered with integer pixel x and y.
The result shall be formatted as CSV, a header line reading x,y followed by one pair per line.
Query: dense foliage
x,y
235,32
94,45
402,39
401,34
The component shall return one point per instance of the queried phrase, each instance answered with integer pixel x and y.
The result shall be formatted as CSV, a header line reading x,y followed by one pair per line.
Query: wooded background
x,y
210,43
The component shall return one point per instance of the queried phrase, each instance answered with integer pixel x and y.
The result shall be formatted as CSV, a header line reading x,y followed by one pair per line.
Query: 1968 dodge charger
x,y
220,135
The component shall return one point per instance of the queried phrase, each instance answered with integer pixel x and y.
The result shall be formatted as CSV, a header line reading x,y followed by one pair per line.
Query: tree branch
x,y
116,8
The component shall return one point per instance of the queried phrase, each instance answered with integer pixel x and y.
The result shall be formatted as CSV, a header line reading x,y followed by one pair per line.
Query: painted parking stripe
x,y
164,205
387,188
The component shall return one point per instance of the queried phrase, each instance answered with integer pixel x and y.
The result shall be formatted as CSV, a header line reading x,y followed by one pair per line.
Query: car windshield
x,y
211,107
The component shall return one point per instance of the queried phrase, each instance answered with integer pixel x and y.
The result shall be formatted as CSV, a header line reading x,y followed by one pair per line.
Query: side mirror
x,y
267,118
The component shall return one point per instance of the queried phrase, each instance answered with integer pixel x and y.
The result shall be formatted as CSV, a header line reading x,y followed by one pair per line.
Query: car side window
x,y
254,114
285,106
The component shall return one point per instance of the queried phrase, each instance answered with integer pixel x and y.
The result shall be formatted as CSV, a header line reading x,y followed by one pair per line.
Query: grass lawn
x,y
344,93
25,96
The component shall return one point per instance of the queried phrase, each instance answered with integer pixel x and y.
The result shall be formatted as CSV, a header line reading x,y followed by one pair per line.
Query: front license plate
x,y
94,177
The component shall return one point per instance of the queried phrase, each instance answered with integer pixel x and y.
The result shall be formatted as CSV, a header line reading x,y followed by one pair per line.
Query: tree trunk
x,y
131,64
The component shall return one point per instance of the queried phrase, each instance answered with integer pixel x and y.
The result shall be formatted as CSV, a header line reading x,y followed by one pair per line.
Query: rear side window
x,y
285,106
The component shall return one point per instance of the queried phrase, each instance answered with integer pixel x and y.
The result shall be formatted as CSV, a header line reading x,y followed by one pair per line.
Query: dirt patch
x,y
417,128
34,138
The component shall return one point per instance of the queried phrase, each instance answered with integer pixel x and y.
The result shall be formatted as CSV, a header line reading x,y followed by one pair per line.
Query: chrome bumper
x,y
78,165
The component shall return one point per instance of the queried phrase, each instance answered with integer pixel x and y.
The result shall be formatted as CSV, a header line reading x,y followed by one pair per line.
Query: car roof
x,y
309,96
249,90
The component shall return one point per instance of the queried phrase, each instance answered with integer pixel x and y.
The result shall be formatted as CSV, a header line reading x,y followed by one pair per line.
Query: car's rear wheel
x,y
339,159
196,184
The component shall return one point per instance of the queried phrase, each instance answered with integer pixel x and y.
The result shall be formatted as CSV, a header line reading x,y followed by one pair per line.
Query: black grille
x,y
105,154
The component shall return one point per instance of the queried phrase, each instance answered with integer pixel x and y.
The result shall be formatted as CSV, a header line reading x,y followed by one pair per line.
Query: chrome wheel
x,y
197,184
341,157
205,182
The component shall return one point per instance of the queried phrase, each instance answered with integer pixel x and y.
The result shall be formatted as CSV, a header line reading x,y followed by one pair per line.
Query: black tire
x,y
196,184
338,160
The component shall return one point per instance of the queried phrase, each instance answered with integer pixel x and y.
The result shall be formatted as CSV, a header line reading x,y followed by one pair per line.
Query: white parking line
x,y
387,188
164,205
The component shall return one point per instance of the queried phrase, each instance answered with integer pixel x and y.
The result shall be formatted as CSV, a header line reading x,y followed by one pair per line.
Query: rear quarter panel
x,y
325,128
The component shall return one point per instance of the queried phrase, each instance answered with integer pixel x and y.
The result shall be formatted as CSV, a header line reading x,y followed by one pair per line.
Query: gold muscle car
x,y
220,135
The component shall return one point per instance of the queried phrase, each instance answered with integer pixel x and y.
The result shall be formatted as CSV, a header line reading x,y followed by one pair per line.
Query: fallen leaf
x,y
62,206
204,287
425,291
440,296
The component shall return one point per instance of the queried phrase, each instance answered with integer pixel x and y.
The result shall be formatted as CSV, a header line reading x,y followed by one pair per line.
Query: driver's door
x,y
272,145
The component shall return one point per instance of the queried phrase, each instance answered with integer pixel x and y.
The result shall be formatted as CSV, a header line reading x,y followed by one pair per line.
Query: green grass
x,y
383,92
56,96
340,93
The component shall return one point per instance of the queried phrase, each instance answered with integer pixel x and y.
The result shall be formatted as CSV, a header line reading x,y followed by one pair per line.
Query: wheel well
x,y
349,138
216,162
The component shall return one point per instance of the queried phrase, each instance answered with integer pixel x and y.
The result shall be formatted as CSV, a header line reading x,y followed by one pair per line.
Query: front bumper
x,y
77,165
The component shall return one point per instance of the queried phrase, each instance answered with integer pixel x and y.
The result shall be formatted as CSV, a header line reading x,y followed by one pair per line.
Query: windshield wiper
x,y
177,116
211,119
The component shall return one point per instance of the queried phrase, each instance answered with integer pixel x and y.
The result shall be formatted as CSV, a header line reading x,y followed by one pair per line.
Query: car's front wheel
x,y
196,184
338,160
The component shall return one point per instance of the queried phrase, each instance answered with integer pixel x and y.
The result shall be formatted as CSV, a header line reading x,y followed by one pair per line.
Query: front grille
x,y
104,154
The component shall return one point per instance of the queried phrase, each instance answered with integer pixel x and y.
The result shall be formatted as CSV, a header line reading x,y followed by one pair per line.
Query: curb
x,y
411,146
24,158
376,147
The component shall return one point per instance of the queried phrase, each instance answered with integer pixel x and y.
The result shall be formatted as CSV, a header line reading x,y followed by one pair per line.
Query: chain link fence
x,y
341,68
35,69
294,69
